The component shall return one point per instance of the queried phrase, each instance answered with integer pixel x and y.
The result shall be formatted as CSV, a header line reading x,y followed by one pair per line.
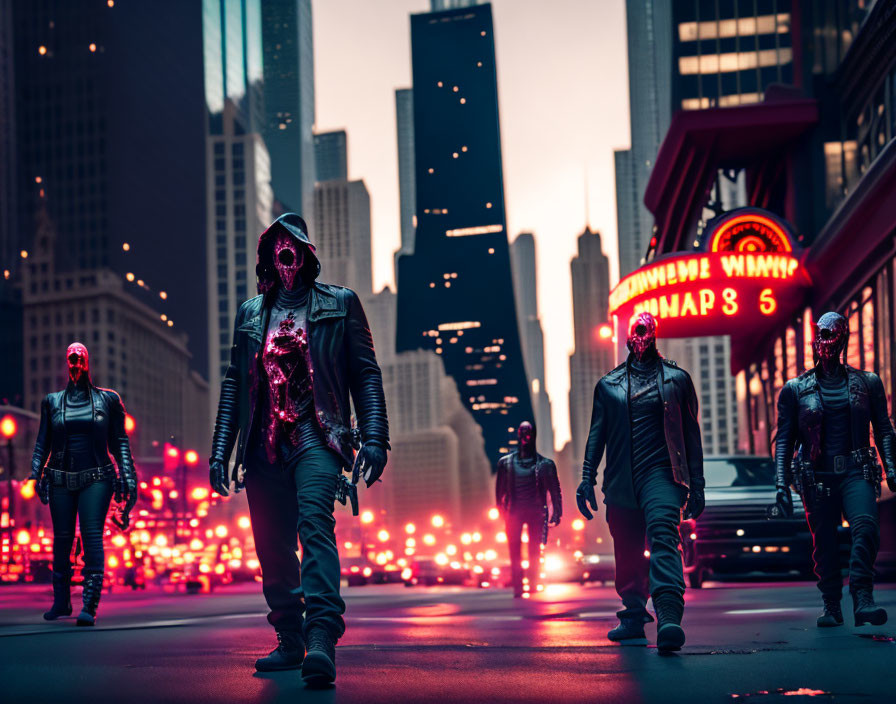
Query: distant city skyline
x,y
579,116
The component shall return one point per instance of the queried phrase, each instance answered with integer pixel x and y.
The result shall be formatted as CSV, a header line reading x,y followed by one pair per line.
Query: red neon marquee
x,y
744,285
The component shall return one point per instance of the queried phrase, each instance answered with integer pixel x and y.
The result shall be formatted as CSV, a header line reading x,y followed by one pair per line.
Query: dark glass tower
x,y
455,293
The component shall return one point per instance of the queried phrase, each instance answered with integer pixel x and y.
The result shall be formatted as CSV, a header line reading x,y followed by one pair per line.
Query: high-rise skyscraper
x,y
238,190
649,28
109,137
525,286
593,355
407,185
289,100
331,156
342,237
455,293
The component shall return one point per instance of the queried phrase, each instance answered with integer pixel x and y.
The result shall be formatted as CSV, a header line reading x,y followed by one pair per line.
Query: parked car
x,y
429,572
734,534
598,568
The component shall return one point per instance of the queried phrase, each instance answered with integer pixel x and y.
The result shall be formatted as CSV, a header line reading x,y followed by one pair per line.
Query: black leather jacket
x,y
546,483
344,365
108,433
800,415
611,428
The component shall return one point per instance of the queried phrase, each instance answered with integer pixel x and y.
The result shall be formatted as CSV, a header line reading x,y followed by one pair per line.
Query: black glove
x,y
370,463
220,477
784,500
555,517
891,481
585,493
696,499
41,484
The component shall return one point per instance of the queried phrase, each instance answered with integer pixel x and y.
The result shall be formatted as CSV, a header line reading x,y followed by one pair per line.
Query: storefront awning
x,y
700,142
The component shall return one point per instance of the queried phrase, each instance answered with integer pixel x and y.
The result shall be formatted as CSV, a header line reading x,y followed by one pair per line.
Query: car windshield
x,y
739,471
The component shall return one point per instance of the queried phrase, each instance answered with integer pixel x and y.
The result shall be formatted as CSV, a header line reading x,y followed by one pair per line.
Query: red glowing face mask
x,y
642,335
288,258
526,435
831,336
76,355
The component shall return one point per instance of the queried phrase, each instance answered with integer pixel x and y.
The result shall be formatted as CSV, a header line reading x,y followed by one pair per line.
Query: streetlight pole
x,y
8,429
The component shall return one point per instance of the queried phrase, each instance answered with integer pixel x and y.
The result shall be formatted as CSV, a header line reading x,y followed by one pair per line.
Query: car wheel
x,y
695,578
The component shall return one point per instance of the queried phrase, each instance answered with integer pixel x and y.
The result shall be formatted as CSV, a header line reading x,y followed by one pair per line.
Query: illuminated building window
x,y
742,27
463,101
477,230
482,382
733,61
464,325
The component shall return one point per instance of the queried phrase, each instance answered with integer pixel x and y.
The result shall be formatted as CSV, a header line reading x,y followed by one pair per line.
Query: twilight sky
x,y
563,92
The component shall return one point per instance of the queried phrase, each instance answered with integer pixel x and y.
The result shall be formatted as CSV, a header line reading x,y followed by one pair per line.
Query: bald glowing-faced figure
x,y
76,356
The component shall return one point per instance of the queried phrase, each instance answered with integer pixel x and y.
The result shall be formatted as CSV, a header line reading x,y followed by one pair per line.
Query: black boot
x,y
288,654
865,610
62,597
630,630
832,615
93,587
319,668
669,609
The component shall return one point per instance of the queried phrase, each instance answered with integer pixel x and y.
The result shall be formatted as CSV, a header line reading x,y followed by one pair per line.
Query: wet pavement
x,y
755,641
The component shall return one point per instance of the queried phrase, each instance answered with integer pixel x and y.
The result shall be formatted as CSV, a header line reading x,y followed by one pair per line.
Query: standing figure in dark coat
x,y
79,427
826,412
525,480
302,354
645,414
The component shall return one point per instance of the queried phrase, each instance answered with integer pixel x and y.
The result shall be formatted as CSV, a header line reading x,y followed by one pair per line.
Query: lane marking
x,y
744,612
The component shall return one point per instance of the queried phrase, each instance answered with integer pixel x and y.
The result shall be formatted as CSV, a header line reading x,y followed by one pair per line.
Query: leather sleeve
x,y
884,435
785,439
365,377
501,483
693,440
553,487
228,418
119,445
44,440
597,437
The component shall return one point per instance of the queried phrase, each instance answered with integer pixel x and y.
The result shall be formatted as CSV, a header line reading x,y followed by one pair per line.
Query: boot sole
x,y
877,619
91,621
52,617
670,638
318,670
278,668
829,625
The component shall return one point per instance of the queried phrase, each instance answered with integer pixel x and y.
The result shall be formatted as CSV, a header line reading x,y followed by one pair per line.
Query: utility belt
x,y
75,481
815,480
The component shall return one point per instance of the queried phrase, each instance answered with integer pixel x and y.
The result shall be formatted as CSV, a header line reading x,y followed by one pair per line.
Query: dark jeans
x,y
90,505
855,498
298,496
533,517
657,520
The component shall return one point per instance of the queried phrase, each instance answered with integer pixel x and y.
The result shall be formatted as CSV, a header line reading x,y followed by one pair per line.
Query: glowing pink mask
x,y
288,258
526,435
642,335
76,355
831,336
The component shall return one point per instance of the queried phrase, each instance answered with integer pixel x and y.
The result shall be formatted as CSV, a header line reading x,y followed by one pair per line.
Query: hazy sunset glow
x,y
563,91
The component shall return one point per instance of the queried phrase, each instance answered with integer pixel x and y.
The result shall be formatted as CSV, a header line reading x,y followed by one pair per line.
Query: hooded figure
x,y
302,357
826,413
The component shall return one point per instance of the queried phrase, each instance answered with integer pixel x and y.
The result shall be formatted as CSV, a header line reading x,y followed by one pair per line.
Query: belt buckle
x,y
72,482
839,464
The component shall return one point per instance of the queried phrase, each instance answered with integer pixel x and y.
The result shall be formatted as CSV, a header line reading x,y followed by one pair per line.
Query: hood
x,y
295,226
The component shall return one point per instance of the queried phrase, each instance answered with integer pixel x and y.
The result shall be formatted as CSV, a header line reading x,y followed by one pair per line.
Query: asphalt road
x,y
755,640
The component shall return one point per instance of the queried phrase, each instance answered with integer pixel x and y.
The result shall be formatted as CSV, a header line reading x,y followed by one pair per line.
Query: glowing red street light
x,y
129,423
605,332
8,427
191,457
